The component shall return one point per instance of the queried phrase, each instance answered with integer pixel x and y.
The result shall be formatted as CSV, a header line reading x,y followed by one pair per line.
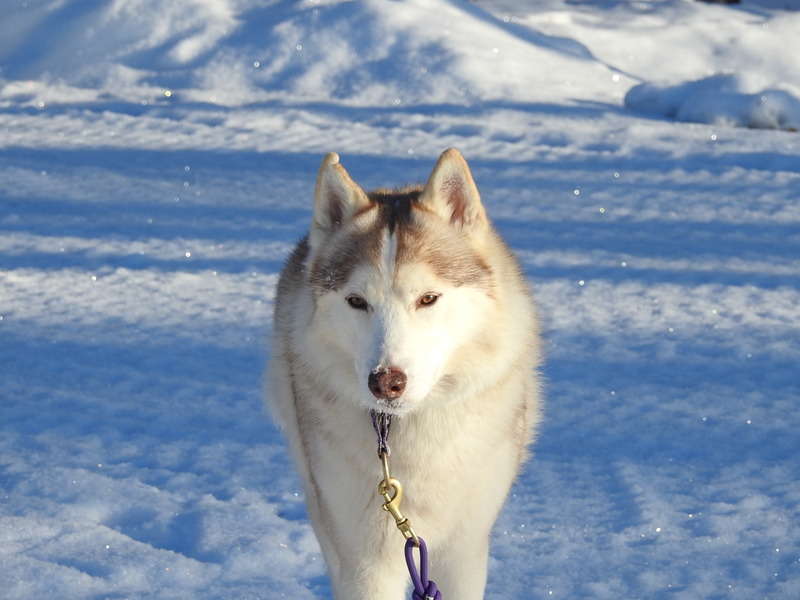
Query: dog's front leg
x,y
362,547
460,570
382,576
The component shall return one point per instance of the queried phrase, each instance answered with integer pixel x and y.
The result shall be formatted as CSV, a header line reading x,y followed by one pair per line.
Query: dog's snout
x,y
387,384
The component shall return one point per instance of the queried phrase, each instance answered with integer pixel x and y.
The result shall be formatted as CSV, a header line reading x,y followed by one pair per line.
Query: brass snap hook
x,y
392,492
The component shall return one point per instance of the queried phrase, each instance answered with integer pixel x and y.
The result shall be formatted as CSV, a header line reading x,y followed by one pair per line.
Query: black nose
x,y
387,384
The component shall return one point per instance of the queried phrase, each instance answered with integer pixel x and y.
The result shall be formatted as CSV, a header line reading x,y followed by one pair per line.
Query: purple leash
x,y
424,588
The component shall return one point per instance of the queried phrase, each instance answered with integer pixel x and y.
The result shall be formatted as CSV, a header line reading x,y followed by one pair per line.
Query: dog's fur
x,y
407,302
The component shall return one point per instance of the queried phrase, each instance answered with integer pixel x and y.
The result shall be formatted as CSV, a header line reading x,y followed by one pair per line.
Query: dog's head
x,y
400,286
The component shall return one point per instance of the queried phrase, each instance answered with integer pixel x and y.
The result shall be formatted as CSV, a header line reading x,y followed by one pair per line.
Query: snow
x,y
156,165
718,100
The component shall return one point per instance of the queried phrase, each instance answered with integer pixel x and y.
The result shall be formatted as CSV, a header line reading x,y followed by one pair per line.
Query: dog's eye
x,y
427,299
357,302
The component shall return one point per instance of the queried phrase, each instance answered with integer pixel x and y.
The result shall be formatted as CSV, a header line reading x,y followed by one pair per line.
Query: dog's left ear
x,y
452,192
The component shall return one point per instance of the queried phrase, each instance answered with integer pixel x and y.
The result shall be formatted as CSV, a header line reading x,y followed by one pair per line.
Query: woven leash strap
x,y
381,422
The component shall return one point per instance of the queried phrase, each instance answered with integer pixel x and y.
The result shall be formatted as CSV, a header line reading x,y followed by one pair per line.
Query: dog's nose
x,y
387,384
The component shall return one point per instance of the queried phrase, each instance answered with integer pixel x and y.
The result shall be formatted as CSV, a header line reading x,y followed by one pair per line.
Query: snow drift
x,y
717,100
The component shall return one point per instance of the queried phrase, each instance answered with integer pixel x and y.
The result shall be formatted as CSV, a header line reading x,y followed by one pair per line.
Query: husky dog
x,y
406,302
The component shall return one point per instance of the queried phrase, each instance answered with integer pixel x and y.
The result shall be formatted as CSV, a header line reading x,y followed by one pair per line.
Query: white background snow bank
x,y
718,100
141,234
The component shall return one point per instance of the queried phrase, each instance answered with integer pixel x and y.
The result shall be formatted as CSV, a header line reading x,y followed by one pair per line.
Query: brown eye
x,y
357,302
427,299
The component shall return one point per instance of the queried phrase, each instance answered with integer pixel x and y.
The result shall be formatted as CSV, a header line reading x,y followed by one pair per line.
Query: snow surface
x,y
156,165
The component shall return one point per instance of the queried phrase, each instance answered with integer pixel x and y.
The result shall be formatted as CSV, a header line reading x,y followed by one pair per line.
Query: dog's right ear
x,y
337,198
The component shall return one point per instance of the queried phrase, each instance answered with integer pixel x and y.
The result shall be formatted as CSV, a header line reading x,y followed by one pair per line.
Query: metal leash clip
x,y
392,501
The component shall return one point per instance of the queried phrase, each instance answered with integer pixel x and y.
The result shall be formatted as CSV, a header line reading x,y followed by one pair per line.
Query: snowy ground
x,y
157,162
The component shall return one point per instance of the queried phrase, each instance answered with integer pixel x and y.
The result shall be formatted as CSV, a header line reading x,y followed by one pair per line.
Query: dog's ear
x,y
337,197
452,192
